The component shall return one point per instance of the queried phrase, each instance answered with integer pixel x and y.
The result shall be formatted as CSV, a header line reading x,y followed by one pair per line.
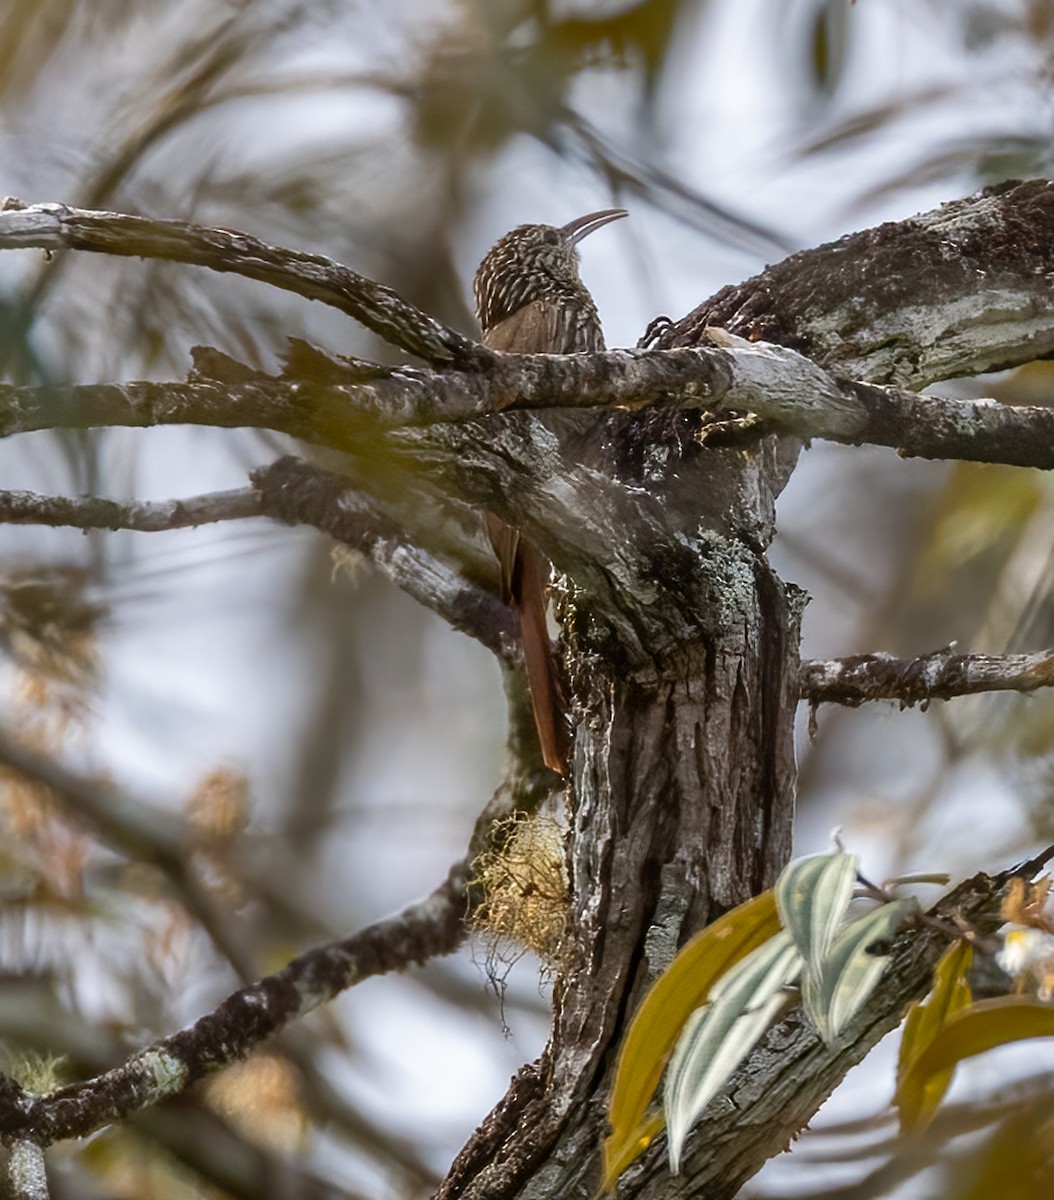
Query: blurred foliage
x,y
1015,1161
516,67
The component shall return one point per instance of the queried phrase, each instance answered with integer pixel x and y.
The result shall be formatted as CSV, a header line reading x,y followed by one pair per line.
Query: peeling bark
x,y
681,646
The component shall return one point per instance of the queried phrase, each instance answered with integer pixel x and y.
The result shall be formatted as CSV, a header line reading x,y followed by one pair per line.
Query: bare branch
x,y
94,512
957,291
937,427
781,387
294,491
427,928
937,676
787,392
57,227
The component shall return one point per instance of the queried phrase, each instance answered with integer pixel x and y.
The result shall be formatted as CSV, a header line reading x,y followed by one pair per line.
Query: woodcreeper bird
x,y
530,299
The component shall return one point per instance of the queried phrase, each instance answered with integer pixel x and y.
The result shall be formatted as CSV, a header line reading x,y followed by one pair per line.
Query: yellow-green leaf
x,y
654,1030
982,1026
950,994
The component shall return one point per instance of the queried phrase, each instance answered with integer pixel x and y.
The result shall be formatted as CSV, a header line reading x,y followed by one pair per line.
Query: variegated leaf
x,y
661,1018
812,895
835,989
720,1035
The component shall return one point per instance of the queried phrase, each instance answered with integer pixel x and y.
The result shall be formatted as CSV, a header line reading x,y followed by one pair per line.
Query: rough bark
x,y
682,649
683,785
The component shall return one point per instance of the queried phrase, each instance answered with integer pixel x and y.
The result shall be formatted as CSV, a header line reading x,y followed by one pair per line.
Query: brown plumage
x,y
530,299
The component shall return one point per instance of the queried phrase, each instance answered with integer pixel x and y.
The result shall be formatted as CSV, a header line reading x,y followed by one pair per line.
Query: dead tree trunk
x,y
684,677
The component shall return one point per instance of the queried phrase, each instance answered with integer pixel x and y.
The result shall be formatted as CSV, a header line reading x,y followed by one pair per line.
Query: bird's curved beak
x,y
580,227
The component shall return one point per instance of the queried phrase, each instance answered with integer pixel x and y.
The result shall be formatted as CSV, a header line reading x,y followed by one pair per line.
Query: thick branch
x,y
937,676
788,394
784,389
57,227
957,291
681,645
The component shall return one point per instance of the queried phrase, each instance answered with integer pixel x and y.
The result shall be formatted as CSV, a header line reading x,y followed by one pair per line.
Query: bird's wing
x,y
547,327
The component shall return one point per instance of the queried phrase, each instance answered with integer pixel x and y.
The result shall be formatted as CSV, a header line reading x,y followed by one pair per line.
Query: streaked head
x,y
531,262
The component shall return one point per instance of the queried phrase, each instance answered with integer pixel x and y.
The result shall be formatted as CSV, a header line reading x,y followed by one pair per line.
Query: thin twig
x,y
297,493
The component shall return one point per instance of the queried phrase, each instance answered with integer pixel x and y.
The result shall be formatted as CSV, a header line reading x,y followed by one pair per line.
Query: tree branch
x,y
58,227
937,427
957,291
94,512
978,268
294,492
423,930
783,388
788,393
722,833
936,676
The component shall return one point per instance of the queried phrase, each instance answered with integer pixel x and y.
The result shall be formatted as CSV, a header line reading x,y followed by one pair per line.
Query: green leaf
x,y
973,1030
721,1034
950,994
835,990
658,1022
812,895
